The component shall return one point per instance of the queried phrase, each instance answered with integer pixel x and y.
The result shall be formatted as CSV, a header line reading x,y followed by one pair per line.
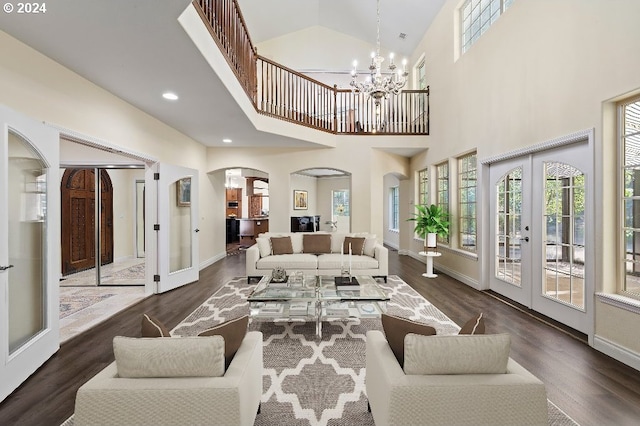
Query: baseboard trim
x,y
458,276
617,352
392,245
447,271
212,260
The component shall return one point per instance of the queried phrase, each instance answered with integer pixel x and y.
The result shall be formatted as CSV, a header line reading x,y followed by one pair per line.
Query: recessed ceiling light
x,y
170,96
227,140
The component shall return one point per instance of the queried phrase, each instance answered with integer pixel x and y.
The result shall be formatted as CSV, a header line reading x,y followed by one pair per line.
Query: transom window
x,y
477,16
442,194
630,170
467,183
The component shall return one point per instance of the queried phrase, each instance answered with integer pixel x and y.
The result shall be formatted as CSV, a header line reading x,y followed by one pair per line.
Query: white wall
x,y
304,183
38,87
544,70
391,238
326,186
320,48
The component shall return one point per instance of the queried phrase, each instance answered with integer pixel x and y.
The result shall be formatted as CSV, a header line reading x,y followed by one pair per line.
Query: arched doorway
x,y
78,220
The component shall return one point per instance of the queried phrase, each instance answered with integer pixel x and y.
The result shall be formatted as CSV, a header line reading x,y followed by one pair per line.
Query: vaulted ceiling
x,y
136,49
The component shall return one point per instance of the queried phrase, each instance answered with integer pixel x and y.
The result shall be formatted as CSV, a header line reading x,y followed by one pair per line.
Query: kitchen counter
x,y
250,228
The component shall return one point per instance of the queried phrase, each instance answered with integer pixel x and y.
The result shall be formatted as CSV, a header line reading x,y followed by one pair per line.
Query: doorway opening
x,y
246,207
94,291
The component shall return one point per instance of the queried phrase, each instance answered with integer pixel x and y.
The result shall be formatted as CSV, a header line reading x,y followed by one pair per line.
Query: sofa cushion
x,y
457,354
316,243
337,261
356,243
396,328
264,246
337,240
474,326
152,327
169,356
233,332
369,243
281,245
288,261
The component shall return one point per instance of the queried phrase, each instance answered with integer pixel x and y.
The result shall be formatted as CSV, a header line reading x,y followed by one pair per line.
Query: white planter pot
x,y
431,240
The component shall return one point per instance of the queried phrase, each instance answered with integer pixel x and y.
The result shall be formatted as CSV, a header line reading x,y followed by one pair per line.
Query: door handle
x,y
196,230
4,268
526,239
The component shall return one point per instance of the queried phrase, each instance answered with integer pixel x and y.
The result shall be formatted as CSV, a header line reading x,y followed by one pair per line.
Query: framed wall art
x,y
299,200
184,192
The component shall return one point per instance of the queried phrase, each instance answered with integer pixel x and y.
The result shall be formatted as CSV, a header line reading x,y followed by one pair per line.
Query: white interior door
x,y
178,249
541,247
29,247
510,224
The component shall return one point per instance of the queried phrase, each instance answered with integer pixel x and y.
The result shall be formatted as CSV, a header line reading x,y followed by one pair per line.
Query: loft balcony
x,y
277,91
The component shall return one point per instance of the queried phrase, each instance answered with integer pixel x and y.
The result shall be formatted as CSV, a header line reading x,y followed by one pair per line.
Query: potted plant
x,y
431,221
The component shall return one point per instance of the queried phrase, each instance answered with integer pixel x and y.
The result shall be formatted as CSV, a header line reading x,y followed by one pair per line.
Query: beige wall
x,y
36,86
524,83
366,164
325,188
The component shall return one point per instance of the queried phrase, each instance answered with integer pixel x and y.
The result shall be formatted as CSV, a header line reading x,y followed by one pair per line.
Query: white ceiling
x,y
136,49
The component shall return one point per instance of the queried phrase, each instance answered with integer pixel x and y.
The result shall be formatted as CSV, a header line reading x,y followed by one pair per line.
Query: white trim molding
x,y
103,145
448,271
581,135
212,260
620,301
615,351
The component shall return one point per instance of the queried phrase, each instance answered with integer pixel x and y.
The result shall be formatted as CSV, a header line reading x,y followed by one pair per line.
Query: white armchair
x,y
232,399
395,398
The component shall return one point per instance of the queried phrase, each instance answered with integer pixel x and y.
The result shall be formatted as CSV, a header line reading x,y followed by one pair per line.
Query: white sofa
x,y
260,261
232,399
516,397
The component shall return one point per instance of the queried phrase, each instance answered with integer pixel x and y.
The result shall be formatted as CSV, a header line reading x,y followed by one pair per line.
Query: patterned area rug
x,y
70,304
309,381
319,382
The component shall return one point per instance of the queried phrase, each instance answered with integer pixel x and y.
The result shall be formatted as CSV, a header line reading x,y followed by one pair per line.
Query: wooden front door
x,y
78,220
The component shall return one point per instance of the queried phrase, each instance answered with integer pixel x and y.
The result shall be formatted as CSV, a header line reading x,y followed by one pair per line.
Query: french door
x,y
540,223
29,247
178,250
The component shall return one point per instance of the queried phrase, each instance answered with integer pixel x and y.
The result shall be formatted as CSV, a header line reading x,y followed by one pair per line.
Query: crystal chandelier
x,y
377,85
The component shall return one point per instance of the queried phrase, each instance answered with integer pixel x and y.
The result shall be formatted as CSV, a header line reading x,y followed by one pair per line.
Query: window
x,y
340,203
630,170
467,179
421,76
394,203
442,192
476,16
423,187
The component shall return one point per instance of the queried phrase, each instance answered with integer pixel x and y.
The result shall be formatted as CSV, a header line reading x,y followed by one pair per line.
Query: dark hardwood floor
x,y
590,387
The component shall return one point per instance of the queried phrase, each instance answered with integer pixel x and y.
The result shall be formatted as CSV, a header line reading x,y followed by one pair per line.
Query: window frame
x,y
442,190
467,174
483,20
624,198
394,208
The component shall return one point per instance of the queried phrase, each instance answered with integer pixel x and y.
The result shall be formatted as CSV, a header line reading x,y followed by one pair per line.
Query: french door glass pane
x,y
180,225
27,241
508,224
563,239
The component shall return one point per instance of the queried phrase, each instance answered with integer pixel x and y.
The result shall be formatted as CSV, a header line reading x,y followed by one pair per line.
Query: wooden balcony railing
x,y
283,93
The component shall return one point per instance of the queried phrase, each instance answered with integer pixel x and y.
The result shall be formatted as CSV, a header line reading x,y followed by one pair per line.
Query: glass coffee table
x,y
316,298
